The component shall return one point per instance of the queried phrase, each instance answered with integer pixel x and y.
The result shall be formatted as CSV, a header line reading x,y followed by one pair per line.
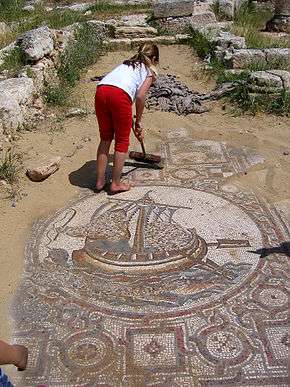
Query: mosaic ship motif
x,y
137,236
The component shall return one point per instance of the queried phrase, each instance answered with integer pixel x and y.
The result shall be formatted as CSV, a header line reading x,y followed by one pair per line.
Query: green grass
x,y
11,9
105,7
13,62
54,19
217,10
27,21
245,101
249,21
56,94
225,76
249,16
273,64
155,24
200,43
255,39
9,167
83,51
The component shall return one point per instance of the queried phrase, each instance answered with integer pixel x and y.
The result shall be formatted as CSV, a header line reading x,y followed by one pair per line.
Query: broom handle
x,y
141,142
143,147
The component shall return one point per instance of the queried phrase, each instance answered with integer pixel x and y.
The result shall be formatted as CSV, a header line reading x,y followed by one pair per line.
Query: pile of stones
x,y
170,95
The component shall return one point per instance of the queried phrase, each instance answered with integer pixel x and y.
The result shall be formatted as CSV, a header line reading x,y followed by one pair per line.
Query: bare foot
x,y
100,185
21,356
119,187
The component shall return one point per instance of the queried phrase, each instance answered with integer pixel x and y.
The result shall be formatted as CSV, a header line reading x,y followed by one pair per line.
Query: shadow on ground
x,y
85,176
283,248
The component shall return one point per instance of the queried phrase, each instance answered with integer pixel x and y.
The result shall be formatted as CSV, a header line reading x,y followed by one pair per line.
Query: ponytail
x,y
146,53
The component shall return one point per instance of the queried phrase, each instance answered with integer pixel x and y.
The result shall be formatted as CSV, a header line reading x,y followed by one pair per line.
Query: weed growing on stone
x,y
29,72
275,63
254,39
200,43
155,24
83,51
245,101
13,62
9,167
56,94
218,11
227,76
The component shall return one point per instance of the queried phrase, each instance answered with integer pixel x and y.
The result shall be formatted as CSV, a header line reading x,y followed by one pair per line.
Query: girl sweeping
x,y
115,95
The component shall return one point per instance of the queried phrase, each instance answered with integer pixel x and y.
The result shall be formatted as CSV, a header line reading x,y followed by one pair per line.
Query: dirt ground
x,y
77,140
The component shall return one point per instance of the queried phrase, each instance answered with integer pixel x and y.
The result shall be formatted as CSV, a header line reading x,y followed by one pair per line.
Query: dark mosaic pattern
x,y
159,286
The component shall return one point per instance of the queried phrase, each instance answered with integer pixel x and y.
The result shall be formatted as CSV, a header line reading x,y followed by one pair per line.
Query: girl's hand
x,y
138,132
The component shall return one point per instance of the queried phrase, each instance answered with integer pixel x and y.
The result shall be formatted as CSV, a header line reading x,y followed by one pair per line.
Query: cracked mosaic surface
x,y
159,286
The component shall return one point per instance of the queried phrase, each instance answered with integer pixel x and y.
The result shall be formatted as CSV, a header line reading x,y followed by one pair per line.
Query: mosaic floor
x,y
160,286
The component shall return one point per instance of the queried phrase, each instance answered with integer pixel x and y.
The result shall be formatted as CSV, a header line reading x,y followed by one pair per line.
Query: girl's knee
x,y
122,146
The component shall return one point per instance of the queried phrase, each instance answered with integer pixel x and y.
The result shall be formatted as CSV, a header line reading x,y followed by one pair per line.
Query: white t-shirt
x,y
127,78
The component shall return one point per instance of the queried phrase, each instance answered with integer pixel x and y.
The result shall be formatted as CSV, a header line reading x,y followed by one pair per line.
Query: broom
x,y
147,158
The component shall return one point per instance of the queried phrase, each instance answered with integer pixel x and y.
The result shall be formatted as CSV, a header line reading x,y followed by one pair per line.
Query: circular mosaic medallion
x,y
224,345
273,297
87,350
153,249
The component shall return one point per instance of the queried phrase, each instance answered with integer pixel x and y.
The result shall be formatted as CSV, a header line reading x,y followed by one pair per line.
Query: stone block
x,y
42,169
266,79
227,8
226,40
118,44
102,29
278,54
76,112
44,72
11,116
285,77
37,43
202,19
135,20
15,93
78,7
280,23
29,8
135,32
157,40
20,89
182,38
170,8
244,57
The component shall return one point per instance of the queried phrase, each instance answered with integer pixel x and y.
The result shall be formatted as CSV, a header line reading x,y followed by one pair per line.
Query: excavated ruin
x,y
170,95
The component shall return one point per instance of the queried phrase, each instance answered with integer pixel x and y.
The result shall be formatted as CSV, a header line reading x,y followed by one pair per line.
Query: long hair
x,y
146,53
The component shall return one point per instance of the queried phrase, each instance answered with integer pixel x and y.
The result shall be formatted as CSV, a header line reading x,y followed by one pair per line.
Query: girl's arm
x,y
140,104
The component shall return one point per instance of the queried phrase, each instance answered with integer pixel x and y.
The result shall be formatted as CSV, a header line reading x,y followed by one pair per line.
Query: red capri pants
x,y
114,113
